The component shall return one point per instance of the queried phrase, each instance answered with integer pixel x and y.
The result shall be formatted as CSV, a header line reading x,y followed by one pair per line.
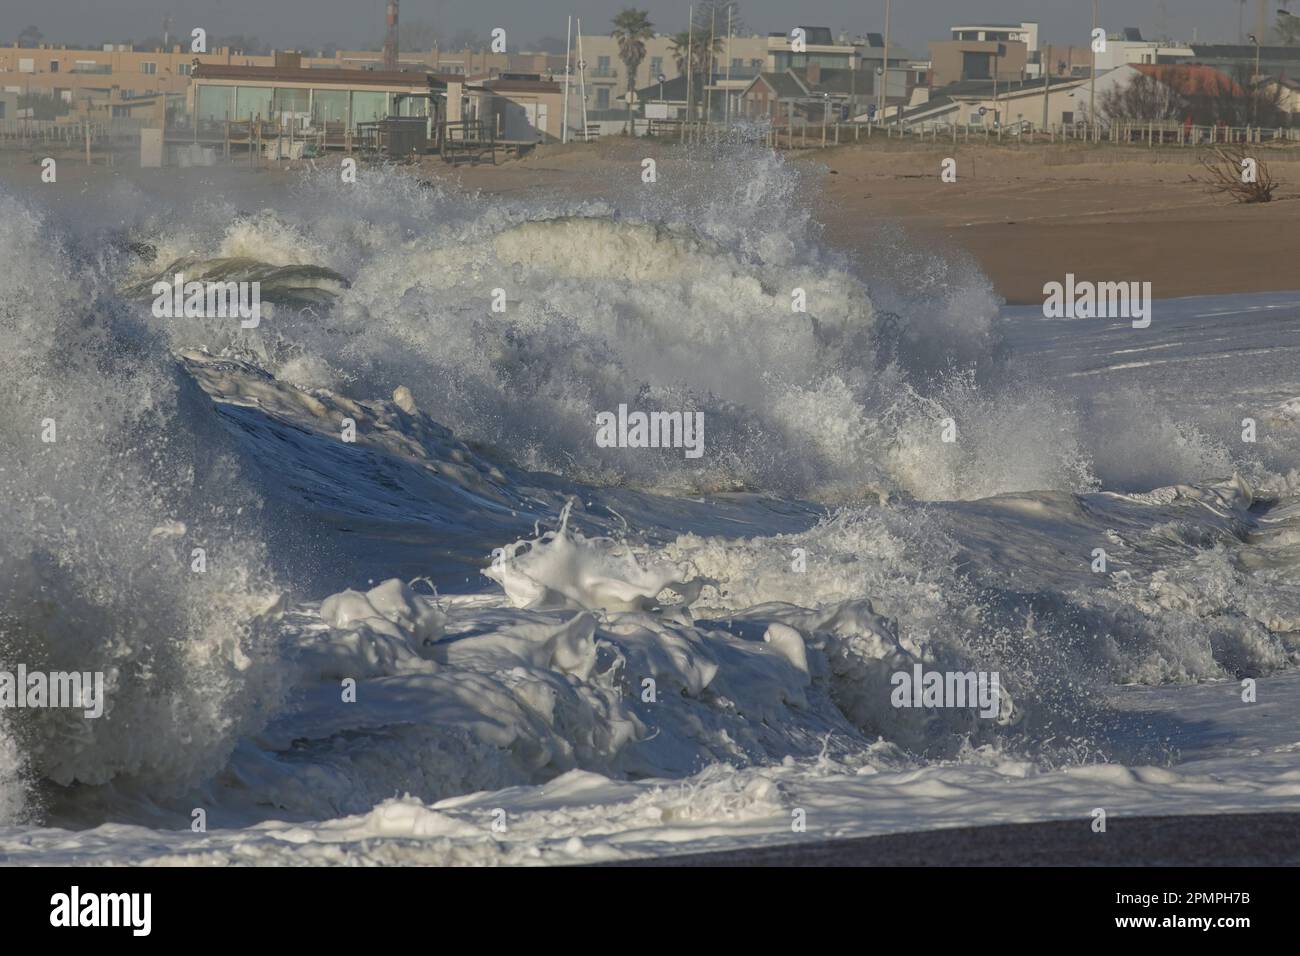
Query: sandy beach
x,y
1026,215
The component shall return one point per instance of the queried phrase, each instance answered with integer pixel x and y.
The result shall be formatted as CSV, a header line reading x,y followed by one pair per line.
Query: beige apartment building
x,y
109,80
739,59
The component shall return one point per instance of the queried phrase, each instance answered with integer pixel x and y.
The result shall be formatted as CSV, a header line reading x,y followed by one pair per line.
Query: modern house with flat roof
x,y
1129,47
311,97
959,61
1025,32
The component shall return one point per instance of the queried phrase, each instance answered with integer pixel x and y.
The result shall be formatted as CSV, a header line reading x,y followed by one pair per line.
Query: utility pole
x,y
884,67
582,81
568,37
854,64
996,115
708,79
690,60
727,112
1092,84
1047,82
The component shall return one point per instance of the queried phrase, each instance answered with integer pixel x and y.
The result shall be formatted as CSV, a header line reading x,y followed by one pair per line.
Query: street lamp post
x,y
1254,81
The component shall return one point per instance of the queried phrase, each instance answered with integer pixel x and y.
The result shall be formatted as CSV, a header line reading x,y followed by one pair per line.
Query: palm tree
x,y
632,28
695,49
679,44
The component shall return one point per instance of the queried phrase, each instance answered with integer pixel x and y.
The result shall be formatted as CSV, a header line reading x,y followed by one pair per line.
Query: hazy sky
x,y
313,23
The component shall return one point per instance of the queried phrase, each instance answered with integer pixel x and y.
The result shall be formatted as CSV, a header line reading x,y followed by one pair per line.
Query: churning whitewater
x,y
361,575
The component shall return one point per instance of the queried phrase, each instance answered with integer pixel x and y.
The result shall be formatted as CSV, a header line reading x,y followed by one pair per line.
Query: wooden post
x,y
87,142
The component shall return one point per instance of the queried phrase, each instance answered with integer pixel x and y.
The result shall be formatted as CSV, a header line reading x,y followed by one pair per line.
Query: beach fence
x,y
109,142
24,133
812,135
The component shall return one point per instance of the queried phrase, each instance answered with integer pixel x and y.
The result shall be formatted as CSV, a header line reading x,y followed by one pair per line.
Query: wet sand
x,y
1232,839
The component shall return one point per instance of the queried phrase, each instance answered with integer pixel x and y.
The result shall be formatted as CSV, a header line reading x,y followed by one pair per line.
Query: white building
x,y
1120,51
1026,33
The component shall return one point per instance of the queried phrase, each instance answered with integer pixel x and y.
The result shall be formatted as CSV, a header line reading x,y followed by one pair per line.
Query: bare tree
x,y
1239,100
1143,99
715,11
1230,170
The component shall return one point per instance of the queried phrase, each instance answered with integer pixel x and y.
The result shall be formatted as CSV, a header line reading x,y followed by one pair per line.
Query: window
x,y
368,106
54,66
1067,118
185,69
831,61
976,66
293,101
215,103
26,66
252,101
149,68
602,98
329,106
656,67
603,67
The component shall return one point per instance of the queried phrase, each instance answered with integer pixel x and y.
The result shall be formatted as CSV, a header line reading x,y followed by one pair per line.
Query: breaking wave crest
x,y
501,329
